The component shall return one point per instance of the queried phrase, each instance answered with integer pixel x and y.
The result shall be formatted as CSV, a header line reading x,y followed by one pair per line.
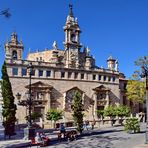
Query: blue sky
x,y
109,27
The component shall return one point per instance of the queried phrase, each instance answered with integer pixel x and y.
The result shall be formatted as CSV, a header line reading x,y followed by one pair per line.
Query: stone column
x,y
66,74
97,77
83,97
66,34
44,73
47,97
73,75
19,71
85,76
95,105
36,73
69,36
107,99
79,76
52,73
64,100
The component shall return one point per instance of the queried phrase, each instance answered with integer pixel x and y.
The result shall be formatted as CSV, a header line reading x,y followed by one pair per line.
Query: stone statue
x,y
55,45
116,66
87,51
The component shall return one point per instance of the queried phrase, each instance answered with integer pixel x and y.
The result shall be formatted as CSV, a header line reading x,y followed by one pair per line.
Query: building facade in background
x,y
58,73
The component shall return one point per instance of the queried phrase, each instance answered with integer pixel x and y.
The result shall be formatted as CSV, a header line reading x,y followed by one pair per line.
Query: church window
x,y
48,73
14,55
109,79
24,71
33,72
104,78
73,38
76,75
114,79
99,77
124,85
62,74
15,71
40,58
82,76
94,77
40,73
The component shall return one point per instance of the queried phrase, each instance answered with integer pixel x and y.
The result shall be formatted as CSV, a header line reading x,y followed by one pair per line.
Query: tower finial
x,y
70,13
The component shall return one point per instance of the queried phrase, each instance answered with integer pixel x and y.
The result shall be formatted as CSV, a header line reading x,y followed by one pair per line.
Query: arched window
x,y
14,54
73,38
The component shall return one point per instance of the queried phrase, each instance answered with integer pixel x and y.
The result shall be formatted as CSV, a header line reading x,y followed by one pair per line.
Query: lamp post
x,y
145,75
29,132
30,68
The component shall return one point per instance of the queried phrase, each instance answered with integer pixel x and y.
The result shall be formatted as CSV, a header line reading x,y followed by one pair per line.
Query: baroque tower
x,y
72,41
14,48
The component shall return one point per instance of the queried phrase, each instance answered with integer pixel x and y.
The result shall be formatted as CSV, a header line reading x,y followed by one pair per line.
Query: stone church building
x,y
58,73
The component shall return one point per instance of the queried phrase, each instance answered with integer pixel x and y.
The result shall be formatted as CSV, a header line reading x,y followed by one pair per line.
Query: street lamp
x,y
29,132
145,75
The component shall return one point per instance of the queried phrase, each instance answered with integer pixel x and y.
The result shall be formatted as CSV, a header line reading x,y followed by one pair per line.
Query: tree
x,y
142,61
77,108
9,108
54,115
122,111
100,113
135,90
110,111
34,116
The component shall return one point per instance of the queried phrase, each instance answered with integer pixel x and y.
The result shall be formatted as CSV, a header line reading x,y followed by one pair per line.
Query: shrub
x,y
132,125
54,115
110,111
100,113
122,111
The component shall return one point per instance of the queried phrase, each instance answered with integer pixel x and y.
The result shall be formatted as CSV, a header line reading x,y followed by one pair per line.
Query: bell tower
x,y
14,48
72,40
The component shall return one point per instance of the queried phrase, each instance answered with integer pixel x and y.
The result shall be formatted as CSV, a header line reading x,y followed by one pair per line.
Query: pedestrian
x,y
45,139
93,124
62,130
86,124
38,139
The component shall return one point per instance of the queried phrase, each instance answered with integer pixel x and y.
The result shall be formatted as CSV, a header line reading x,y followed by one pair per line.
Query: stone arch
x,y
14,54
73,37
68,97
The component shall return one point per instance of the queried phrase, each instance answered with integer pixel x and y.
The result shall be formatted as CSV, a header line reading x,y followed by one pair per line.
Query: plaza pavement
x,y
103,137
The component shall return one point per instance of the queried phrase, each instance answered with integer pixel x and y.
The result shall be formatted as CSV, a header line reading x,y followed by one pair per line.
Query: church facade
x,y
58,73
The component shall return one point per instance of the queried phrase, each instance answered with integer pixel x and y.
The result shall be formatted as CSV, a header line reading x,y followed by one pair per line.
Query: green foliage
x,y
78,111
54,115
110,111
34,116
132,125
9,108
135,91
142,61
122,111
100,113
